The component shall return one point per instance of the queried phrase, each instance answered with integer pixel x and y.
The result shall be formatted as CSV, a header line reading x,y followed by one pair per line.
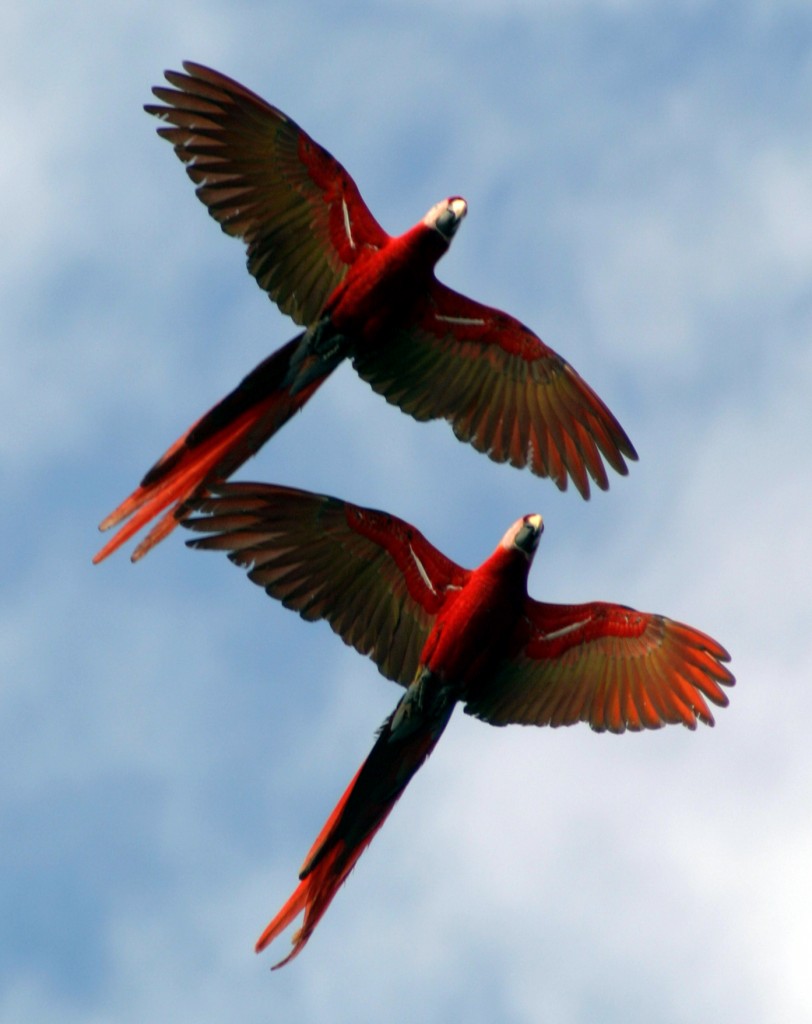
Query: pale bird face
x,y
446,216
524,535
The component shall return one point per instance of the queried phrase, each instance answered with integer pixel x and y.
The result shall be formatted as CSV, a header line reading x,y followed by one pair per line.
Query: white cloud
x,y
174,741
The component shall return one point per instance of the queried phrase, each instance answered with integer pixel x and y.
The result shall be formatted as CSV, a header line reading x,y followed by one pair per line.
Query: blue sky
x,y
639,186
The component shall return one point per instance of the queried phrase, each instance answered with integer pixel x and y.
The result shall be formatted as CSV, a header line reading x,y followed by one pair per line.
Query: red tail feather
x,y
325,869
313,895
404,741
212,449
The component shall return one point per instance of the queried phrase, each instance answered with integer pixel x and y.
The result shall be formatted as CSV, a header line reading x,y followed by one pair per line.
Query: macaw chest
x,y
385,289
472,634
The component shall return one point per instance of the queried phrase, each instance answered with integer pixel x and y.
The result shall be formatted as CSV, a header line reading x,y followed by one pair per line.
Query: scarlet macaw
x,y
447,634
314,246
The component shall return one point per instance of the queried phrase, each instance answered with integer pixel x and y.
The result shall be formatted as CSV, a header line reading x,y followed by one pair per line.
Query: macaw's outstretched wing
x,y
267,182
374,578
607,665
501,389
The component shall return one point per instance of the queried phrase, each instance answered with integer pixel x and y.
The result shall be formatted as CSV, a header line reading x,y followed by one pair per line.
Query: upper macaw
x,y
447,634
362,294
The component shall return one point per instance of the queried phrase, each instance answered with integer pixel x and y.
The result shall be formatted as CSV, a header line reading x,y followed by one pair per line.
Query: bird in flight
x,y
448,635
360,294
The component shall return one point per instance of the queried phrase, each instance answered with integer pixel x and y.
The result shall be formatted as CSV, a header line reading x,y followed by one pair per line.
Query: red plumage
x,y
315,248
449,635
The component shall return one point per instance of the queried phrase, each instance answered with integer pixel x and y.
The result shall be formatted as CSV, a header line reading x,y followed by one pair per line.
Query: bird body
x,y
315,248
449,635
453,657
391,284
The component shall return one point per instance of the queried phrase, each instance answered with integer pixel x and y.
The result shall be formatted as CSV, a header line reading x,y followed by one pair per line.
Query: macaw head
x,y
524,535
446,216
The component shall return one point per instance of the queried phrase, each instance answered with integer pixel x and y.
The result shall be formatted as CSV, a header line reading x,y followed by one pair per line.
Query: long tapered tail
x,y
217,444
316,890
403,744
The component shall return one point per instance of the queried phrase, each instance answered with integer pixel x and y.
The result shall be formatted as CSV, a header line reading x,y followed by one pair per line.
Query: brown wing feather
x,y
501,389
607,665
267,182
374,578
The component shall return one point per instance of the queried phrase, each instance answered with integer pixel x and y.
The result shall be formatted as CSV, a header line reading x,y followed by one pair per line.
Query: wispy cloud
x,y
173,741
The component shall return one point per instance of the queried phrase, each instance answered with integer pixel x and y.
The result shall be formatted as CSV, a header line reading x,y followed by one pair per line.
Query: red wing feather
x,y
374,578
607,665
267,182
501,389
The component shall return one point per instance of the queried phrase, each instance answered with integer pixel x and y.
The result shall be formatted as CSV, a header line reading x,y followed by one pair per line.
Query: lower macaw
x,y
449,635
